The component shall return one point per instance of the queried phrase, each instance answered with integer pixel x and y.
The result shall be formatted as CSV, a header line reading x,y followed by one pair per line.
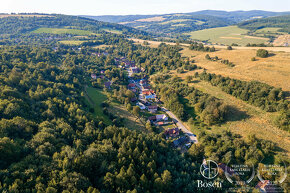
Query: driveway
x,y
180,125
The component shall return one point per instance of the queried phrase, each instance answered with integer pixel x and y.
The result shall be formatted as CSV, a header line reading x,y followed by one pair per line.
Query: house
x,y
143,82
266,186
152,119
160,123
108,84
93,76
171,132
161,117
146,87
152,109
131,86
141,105
180,141
150,97
147,92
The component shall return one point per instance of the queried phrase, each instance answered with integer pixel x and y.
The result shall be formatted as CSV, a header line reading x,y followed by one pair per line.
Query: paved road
x,y
192,137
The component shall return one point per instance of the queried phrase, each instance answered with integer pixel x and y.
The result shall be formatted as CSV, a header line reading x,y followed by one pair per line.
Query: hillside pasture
x,y
62,31
274,70
226,35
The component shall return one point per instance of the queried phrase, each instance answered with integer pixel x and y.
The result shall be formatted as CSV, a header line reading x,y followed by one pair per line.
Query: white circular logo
x,y
209,169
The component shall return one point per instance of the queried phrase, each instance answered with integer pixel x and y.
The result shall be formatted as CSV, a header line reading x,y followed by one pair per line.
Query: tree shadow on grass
x,y
235,114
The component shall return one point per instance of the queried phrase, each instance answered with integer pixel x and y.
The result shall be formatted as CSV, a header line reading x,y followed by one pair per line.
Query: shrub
x,y
262,53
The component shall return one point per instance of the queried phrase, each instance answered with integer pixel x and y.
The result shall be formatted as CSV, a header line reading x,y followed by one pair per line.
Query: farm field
x,y
62,31
245,118
226,35
274,70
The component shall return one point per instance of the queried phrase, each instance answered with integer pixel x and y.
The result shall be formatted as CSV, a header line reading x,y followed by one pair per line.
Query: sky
x,y
127,7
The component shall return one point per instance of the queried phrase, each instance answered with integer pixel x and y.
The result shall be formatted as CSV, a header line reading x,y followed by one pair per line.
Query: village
x,y
151,106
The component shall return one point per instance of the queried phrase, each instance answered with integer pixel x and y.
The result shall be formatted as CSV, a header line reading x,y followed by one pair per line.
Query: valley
x,y
141,103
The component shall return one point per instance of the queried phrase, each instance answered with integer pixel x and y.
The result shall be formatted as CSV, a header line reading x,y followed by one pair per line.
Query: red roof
x,y
147,92
174,131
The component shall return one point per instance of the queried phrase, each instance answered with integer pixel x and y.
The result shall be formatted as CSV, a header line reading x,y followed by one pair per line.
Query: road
x,y
180,125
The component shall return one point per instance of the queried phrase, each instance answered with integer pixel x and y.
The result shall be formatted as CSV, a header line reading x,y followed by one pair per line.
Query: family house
x,y
161,117
171,132
152,109
131,86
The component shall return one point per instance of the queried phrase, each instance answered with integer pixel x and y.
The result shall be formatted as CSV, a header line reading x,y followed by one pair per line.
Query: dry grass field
x,y
274,70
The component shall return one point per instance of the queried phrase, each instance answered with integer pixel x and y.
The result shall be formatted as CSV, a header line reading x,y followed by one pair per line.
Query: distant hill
x,y
20,24
176,24
238,16
282,22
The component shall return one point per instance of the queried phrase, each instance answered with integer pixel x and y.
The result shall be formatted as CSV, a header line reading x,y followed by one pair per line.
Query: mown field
x,y
62,31
226,35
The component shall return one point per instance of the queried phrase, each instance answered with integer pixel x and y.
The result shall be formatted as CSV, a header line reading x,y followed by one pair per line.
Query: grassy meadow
x,y
226,35
95,98
62,31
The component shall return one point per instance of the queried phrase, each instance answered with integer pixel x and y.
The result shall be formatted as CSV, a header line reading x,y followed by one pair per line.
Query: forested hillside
x,y
19,25
176,24
278,22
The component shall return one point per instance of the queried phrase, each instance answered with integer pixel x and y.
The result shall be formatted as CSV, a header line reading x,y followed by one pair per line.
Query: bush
x,y
229,48
262,53
253,59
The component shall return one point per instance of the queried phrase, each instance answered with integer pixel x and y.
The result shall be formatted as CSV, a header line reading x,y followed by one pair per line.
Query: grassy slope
x,y
226,35
62,31
95,97
245,119
274,70
130,121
